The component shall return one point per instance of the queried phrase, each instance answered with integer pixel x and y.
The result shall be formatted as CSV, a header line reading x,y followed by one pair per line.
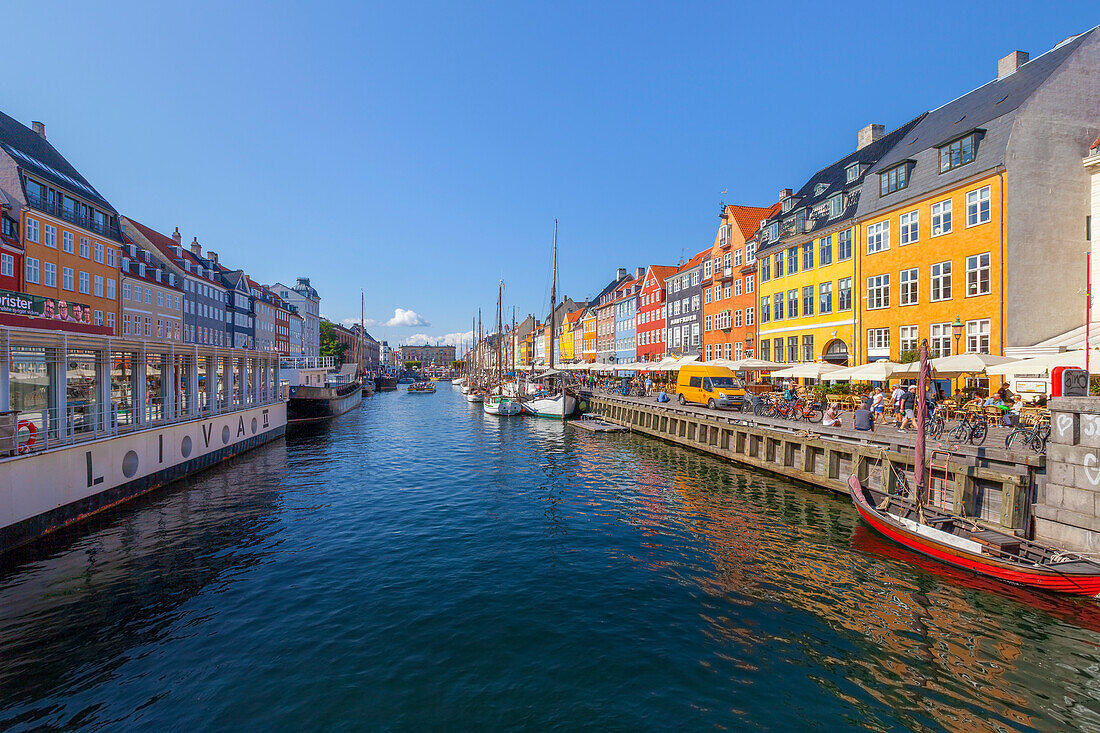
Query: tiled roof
x,y
694,261
748,218
662,271
31,151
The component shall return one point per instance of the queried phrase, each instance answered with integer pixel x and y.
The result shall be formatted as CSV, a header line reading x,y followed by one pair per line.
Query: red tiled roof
x,y
662,271
748,218
574,316
1095,144
694,260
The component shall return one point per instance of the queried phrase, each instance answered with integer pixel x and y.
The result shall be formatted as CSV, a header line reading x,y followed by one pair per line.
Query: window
x,y
878,292
49,237
939,342
707,323
808,256
894,179
750,316
726,261
99,286
907,294
84,282
957,154
766,350
737,320
111,288
149,296
85,247
7,265
765,270
67,242
99,251
125,291
844,294
825,250
844,245
836,205
941,281
977,207
738,350
910,227
737,258
792,304
808,300
808,348
707,351
878,340
907,338
31,230
750,252
723,235
778,264
706,295
941,218
878,237
110,320
825,302
49,274
792,348
695,278
792,260
736,288
851,173
111,258
726,290
765,309
977,275
32,270
99,318
977,336
707,268
160,300
779,350
67,278
125,324
778,311
750,284
694,302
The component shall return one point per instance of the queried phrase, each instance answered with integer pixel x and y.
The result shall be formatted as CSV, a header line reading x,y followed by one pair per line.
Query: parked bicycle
x,y
799,410
936,422
1033,436
971,429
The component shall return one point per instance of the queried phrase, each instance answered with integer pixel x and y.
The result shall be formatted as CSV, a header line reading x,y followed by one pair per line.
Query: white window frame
x,y
974,270
68,281
878,237
30,271
908,336
878,292
977,335
939,276
941,218
49,236
910,227
49,274
909,286
978,207
7,265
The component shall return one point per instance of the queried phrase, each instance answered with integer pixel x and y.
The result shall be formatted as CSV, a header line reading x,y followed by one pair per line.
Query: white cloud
x,y
449,339
406,318
349,322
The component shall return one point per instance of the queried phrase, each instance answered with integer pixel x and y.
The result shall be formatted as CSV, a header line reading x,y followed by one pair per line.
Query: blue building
x,y
626,317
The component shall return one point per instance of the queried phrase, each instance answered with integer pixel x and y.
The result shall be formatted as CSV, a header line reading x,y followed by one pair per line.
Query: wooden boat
x,y
421,388
964,544
497,405
474,397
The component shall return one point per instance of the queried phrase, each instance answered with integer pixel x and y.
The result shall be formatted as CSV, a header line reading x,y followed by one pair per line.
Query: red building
x,y
651,313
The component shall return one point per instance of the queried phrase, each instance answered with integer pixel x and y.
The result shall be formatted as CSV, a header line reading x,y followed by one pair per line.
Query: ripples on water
x,y
420,565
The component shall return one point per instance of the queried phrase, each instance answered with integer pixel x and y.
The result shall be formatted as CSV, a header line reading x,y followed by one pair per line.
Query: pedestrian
x,y
1005,394
895,400
908,408
878,405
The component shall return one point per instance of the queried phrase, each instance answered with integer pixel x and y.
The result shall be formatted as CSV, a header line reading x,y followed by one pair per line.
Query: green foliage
x,y
456,364
412,365
908,357
330,346
822,390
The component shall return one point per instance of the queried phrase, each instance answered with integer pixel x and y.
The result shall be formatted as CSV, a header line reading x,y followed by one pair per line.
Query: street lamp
x,y
957,330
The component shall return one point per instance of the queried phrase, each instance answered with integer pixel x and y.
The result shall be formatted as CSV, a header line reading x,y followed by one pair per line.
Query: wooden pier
x,y
986,482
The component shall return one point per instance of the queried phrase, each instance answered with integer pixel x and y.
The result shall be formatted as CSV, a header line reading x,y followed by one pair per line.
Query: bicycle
x,y
1033,436
797,410
936,422
971,429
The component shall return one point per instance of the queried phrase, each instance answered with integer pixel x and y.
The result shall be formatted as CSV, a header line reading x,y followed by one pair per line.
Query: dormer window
x,y
836,205
852,172
773,231
788,203
801,218
820,188
958,152
894,179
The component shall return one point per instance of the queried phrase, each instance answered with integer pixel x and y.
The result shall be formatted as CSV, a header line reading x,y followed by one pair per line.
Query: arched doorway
x,y
836,352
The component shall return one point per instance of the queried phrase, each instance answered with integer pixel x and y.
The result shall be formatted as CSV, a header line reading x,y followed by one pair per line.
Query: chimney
x,y
212,256
639,272
785,193
177,238
620,273
1005,66
196,248
870,134
39,129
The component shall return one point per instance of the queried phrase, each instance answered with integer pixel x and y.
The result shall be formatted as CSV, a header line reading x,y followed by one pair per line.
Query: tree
x,y
330,345
412,365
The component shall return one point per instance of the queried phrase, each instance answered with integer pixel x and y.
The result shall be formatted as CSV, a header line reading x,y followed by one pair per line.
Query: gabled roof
x,y
31,151
661,271
748,218
695,261
574,316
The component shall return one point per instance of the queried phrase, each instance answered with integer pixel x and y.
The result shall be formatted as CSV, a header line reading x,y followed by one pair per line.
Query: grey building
x,y
203,294
239,310
306,299
263,316
684,308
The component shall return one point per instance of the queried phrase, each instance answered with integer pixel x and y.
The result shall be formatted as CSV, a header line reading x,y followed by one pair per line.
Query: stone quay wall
x,y
1067,512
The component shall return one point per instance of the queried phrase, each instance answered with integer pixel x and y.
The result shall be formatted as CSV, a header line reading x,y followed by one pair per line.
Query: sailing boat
x,y
473,394
962,542
498,404
561,405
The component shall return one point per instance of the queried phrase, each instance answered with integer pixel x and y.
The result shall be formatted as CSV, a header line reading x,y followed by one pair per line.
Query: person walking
x,y
895,400
908,409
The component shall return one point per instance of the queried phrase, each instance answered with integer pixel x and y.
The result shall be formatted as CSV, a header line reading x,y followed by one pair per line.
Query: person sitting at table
x,y
976,400
832,417
1012,417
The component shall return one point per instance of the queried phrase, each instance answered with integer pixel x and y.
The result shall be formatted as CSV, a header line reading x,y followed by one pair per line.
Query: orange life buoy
x,y
33,434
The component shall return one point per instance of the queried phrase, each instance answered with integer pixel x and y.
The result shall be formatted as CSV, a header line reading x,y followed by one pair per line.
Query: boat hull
x,y
502,407
386,384
315,404
474,398
557,408
1085,582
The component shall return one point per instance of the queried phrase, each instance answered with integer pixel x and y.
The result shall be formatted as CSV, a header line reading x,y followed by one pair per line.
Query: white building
x,y
308,302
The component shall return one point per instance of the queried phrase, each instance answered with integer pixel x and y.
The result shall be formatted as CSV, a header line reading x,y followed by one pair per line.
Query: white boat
x,y
474,397
558,407
497,405
465,389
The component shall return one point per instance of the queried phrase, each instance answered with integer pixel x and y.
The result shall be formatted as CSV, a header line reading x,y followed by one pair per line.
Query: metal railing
x,y
53,208
307,362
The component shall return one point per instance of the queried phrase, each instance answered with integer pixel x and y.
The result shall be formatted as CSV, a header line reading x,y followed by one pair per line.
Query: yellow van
x,y
713,386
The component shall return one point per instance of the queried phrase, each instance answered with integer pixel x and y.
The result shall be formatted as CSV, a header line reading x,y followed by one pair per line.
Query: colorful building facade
x,y
651,326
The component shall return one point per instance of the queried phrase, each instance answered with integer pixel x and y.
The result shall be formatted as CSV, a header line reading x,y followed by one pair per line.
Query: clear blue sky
x,y
421,150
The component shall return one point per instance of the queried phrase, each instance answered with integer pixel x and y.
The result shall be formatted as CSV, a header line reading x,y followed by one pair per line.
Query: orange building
x,y
729,284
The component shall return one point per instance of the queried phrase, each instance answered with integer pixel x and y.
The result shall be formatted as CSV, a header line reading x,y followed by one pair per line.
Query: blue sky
x,y
421,151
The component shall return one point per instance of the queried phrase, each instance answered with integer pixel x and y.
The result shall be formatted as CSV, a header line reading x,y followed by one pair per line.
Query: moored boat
x,y
474,397
421,388
558,406
498,405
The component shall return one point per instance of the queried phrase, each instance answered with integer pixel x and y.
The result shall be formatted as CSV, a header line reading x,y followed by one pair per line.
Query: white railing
x,y
307,362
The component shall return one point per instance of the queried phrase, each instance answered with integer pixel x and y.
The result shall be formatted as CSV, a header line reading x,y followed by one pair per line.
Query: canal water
x,y
420,565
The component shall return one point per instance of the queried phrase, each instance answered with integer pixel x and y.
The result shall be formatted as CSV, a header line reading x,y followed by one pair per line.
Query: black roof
x,y
32,152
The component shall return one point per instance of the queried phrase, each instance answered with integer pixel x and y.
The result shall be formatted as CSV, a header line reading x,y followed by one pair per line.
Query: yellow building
x,y
588,335
808,298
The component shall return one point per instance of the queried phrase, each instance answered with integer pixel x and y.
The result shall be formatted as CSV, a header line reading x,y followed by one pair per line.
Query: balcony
x,y
53,208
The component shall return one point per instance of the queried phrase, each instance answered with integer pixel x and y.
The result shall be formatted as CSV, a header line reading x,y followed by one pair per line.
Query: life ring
x,y
33,434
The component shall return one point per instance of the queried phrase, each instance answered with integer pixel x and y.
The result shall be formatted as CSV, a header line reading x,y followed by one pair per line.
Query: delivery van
x,y
713,386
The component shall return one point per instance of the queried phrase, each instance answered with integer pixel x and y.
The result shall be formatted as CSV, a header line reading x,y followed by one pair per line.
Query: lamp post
x,y
957,329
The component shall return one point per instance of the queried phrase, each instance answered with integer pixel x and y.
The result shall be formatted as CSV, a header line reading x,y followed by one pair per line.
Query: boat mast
x,y
500,329
361,331
922,410
512,356
553,296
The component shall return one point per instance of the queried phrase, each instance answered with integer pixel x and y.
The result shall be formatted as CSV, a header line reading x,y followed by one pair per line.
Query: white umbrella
x,y
751,364
1043,364
958,364
876,371
809,370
